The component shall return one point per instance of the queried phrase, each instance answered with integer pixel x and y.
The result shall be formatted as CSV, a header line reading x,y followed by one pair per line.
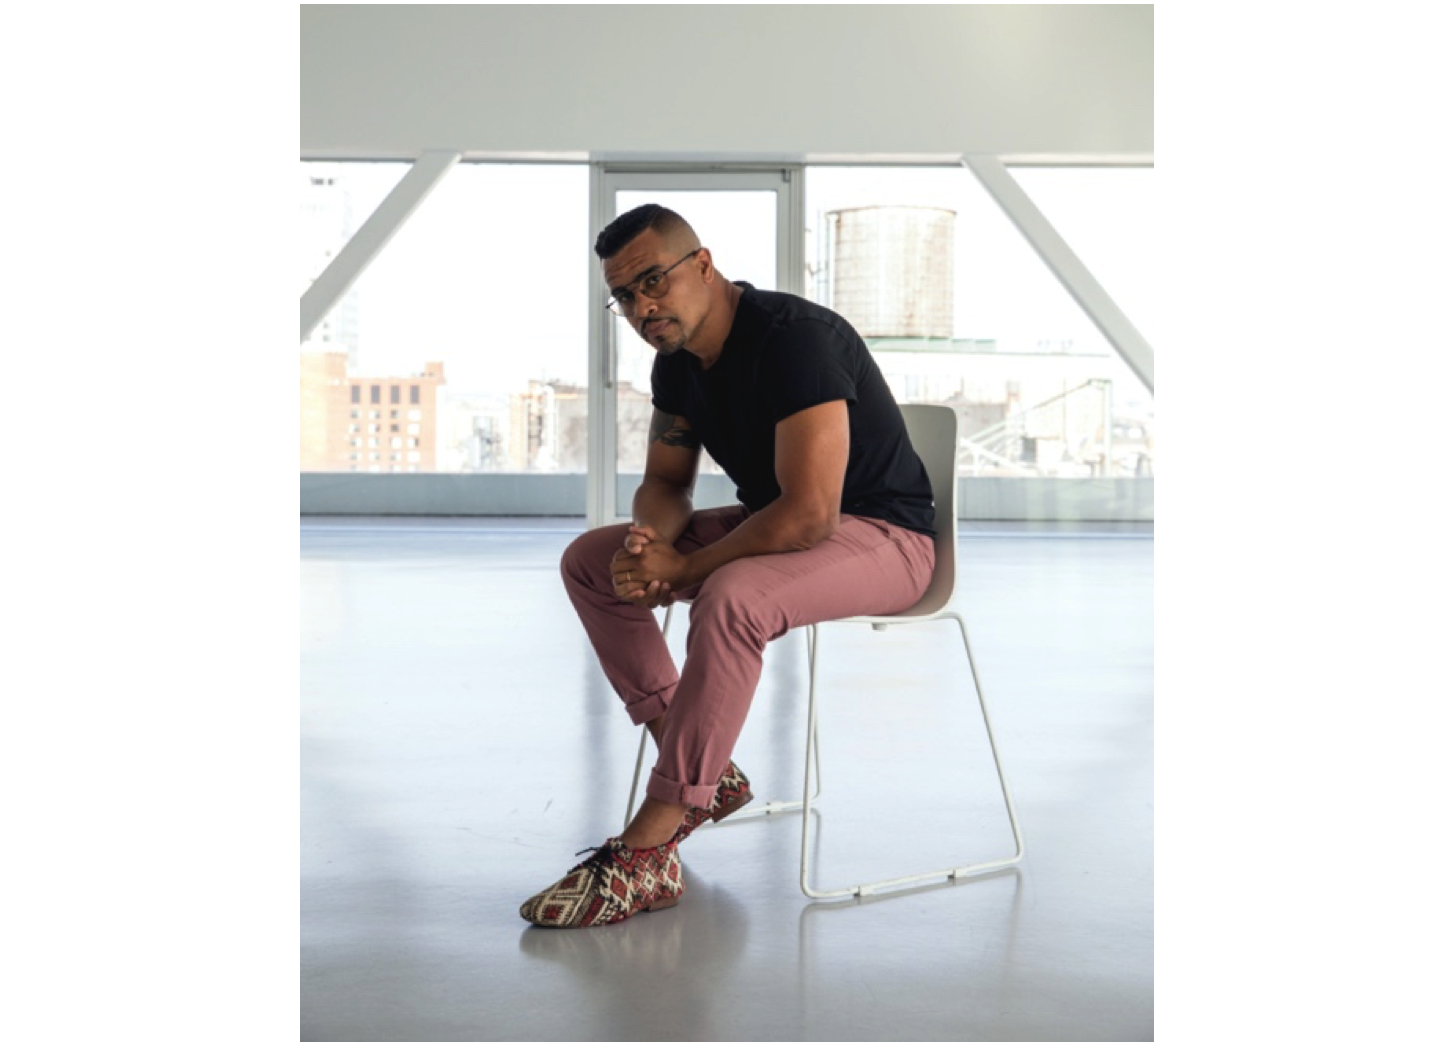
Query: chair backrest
x,y
933,432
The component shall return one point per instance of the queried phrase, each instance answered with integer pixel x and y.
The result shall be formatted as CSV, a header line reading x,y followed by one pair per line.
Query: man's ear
x,y
703,262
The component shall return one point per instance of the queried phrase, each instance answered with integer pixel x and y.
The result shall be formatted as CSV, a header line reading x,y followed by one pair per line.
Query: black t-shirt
x,y
782,355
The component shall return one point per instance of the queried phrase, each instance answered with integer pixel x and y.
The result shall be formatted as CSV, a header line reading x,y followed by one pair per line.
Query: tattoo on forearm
x,y
666,430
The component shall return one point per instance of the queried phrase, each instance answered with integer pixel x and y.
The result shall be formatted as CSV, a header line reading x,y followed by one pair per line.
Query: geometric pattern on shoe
x,y
733,793
612,884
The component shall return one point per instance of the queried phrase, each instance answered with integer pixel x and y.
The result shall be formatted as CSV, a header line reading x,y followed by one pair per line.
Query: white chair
x,y
932,430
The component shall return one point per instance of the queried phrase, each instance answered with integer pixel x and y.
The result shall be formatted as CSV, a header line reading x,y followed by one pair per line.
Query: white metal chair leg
x,y
811,637
636,777
952,872
995,757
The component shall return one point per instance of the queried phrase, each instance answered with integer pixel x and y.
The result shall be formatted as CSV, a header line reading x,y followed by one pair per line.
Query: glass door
x,y
752,223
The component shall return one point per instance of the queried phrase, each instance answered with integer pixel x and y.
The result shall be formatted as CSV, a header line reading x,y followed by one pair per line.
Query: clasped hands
x,y
647,568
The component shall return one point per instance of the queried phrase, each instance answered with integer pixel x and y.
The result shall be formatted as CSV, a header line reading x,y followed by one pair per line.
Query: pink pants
x,y
867,567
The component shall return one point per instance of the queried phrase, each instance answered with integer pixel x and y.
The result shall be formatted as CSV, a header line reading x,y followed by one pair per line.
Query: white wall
x,y
810,82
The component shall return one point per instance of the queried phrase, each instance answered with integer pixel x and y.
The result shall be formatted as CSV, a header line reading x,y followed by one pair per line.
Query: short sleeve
x,y
666,395
810,364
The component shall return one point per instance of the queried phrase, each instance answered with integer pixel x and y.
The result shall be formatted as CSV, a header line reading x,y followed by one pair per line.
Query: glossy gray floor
x,y
459,745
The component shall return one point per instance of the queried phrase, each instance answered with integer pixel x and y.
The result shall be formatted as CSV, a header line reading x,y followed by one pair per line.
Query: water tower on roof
x,y
892,269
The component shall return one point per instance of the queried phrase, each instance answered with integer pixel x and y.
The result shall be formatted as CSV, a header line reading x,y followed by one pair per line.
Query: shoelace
x,y
597,863
602,855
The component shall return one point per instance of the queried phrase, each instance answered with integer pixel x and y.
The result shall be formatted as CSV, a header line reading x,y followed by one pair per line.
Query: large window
x,y
464,346
469,327
958,308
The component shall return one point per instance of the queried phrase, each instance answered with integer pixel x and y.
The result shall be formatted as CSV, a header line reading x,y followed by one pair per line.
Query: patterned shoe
x,y
610,886
733,793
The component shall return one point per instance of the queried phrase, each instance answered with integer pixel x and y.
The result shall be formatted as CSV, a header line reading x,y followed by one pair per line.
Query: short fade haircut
x,y
625,228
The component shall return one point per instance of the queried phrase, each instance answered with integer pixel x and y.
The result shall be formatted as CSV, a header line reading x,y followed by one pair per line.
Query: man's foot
x,y
733,793
614,883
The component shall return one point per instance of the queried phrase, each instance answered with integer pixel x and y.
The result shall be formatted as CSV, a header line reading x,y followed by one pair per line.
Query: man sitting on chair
x,y
835,519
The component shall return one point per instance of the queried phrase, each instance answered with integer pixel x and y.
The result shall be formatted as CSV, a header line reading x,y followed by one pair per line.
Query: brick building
x,y
352,424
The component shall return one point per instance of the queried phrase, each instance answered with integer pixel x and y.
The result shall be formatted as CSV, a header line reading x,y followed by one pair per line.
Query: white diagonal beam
x,y
339,275
1064,264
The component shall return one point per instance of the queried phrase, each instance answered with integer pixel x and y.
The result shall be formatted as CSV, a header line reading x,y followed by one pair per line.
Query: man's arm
x,y
662,506
811,453
664,499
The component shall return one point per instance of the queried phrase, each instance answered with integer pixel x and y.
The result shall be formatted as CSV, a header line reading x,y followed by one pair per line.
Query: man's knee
x,y
590,552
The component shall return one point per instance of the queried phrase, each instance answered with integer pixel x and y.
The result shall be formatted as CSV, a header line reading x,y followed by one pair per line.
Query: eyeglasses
x,y
653,285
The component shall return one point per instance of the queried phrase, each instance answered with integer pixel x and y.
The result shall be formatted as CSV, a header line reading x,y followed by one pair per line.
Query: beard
x,y
669,339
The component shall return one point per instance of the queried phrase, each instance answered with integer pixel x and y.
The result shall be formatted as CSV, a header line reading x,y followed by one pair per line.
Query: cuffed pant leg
x,y
866,568
627,640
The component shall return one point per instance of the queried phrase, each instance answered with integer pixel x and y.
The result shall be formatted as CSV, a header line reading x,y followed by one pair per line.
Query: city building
x,y
353,424
547,428
1025,411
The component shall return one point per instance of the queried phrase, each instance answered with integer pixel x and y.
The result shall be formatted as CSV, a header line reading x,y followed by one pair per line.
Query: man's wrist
x,y
694,568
